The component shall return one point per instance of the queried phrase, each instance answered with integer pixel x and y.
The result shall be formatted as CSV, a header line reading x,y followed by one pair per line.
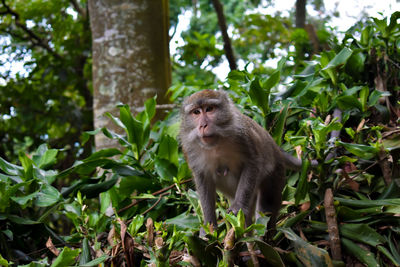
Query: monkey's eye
x,y
209,109
196,112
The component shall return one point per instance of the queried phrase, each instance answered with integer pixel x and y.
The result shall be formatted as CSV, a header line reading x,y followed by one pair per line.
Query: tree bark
x,y
130,57
301,13
219,9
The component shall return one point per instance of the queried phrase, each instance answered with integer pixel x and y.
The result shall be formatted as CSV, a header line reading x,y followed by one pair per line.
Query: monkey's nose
x,y
202,128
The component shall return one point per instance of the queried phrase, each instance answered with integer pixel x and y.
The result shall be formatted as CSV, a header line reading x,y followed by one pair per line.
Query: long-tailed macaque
x,y
229,152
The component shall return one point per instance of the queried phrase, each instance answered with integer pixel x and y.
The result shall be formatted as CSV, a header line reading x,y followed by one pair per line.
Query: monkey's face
x,y
205,121
205,116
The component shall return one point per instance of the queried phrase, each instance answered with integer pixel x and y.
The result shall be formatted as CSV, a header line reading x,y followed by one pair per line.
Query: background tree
x,y
345,209
51,100
130,57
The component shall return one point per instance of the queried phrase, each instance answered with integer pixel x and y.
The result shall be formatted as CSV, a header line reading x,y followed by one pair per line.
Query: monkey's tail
x,y
294,164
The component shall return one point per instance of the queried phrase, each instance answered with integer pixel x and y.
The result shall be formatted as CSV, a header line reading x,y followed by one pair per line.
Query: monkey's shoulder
x,y
254,135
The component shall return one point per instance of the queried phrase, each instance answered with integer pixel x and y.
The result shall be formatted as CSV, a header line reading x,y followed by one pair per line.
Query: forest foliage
x,y
137,205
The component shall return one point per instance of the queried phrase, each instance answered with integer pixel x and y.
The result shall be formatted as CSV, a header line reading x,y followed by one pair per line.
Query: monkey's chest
x,y
224,169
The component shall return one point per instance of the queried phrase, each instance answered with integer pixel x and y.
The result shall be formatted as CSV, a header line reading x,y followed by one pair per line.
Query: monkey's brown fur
x,y
229,152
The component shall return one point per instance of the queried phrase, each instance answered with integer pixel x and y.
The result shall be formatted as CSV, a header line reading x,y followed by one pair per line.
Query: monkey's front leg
x,y
207,194
245,194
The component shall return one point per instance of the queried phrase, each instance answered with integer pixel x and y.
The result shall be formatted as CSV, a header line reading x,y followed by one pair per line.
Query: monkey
x,y
229,152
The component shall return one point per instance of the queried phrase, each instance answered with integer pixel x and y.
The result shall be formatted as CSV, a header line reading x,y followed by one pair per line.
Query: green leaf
x,y
393,22
355,64
272,81
259,96
375,96
8,192
366,257
105,202
138,183
9,168
270,254
302,187
237,75
150,108
238,222
352,91
367,203
95,262
362,151
381,25
93,190
88,166
168,149
348,102
308,71
86,135
133,127
20,220
392,143
366,35
85,255
361,233
184,221
125,170
136,224
280,125
339,59
3,262
308,254
393,248
165,169
66,257
386,252
27,164
24,199
364,97
104,153
45,157
47,196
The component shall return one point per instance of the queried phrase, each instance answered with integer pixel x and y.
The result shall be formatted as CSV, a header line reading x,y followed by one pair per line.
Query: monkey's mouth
x,y
209,139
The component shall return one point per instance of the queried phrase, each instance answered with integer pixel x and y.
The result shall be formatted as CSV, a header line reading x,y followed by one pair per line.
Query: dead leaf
x,y
51,247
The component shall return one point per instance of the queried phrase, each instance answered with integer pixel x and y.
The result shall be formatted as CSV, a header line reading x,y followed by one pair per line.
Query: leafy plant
x,y
135,205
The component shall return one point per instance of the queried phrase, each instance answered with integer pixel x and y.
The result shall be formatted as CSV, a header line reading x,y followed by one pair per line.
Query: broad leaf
x,y
362,151
184,221
361,233
66,257
259,96
47,196
302,186
366,257
308,254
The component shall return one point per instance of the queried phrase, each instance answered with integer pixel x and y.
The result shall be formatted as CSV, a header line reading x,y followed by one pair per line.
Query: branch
x,y
156,203
337,113
159,192
35,39
331,221
227,41
78,8
385,165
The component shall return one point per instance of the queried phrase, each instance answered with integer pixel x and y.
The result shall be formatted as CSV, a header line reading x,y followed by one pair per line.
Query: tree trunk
x,y
301,13
130,57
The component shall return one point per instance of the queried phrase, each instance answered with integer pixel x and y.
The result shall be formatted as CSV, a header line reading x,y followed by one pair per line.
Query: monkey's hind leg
x,y
269,197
